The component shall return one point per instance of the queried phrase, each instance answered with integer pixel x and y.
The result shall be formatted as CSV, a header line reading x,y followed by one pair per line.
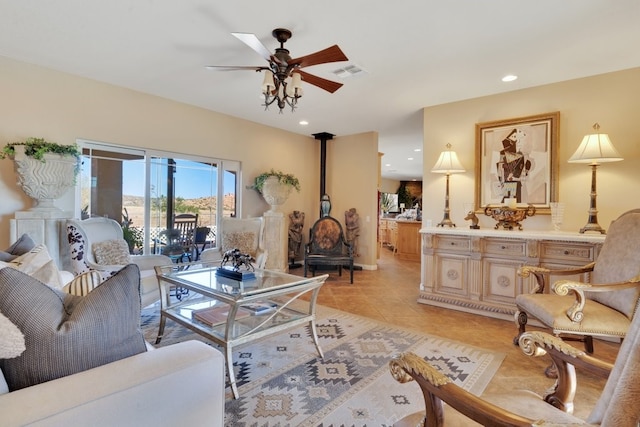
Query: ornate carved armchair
x,y
602,308
327,247
617,406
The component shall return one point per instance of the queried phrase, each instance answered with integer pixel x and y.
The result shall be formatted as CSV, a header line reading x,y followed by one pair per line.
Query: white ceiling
x,y
415,53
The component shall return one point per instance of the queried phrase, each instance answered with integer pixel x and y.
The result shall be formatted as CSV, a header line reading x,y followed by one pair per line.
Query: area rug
x,y
282,382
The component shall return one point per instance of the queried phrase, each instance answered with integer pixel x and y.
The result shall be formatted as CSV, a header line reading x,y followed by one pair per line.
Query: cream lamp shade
x,y
595,148
448,162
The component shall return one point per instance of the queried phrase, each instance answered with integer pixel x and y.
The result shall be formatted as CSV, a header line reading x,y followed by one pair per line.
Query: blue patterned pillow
x,y
65,334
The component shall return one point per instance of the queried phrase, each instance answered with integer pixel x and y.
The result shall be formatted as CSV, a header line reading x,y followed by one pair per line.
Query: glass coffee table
x,y
232,312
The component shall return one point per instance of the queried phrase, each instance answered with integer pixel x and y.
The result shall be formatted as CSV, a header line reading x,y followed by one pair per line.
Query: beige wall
x,y
353,184
389,185
63,108
609,99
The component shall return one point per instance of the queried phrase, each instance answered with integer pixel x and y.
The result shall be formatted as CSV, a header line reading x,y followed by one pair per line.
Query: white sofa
x,y
181,384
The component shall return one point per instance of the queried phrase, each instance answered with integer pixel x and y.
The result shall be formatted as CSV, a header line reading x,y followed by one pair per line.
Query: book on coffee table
x,y
260,307
216,315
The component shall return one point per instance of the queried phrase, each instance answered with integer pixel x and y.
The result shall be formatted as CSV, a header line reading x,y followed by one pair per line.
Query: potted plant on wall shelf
x,y
46,170
275,187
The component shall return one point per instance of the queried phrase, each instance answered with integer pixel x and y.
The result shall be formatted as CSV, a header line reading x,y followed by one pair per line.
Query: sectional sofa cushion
x,y
65,334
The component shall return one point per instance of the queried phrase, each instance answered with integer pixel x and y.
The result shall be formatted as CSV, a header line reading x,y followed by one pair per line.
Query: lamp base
x,y
593,226
446,221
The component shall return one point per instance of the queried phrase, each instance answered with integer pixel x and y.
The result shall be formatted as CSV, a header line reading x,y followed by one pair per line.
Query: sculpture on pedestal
x,y
352,222
295,236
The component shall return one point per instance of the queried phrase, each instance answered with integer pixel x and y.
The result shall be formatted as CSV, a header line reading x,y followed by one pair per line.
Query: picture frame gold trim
x,y
529,142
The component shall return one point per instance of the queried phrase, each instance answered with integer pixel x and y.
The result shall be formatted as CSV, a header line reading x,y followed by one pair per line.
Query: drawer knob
x,y
452,243
566,252
503,247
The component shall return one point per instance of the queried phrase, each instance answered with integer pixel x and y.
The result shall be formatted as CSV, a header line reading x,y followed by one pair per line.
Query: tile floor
x,y
389,294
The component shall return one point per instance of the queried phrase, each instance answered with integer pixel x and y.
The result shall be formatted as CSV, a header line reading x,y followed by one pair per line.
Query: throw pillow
x,y
21,246
83,284
112,252
65,334
11,339
37,263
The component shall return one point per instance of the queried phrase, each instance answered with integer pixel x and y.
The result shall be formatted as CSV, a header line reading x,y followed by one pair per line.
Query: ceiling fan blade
x,y
252,41
325,84
330,54
234,68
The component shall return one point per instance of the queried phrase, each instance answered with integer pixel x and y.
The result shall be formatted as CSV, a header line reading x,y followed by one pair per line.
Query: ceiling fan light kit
x,y
282,83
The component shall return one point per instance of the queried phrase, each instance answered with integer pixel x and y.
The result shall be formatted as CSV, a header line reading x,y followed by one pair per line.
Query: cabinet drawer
x,y
505,247
452,243
573,253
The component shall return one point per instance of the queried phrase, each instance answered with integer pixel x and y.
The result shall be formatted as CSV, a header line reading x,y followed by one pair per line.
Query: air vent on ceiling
x,y
349,71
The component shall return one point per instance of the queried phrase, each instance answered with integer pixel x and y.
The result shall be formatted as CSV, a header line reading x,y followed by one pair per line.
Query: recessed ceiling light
x,y
418,150
409,158
388,164
509,78
303,122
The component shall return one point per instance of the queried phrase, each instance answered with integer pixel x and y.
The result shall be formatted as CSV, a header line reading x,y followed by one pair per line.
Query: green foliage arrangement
x,y
283,178
37,147
132,235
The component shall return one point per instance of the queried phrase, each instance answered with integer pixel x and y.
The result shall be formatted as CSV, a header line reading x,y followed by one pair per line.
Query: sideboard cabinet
x,y
476,271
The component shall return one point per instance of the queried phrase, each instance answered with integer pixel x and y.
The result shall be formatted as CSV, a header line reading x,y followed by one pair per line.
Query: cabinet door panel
x,y
451,275
501,280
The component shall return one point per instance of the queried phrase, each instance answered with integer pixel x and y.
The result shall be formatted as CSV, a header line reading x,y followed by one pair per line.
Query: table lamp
x,y
447,163
594,149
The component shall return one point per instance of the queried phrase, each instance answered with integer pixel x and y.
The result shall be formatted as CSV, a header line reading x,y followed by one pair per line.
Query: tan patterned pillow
x,y
245,241
112,252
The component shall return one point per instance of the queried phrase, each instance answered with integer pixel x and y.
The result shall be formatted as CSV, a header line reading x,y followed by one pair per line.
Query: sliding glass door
x,y
144,191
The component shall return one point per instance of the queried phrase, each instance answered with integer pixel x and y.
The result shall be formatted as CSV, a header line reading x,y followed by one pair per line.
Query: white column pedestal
x,y
275,241
46,227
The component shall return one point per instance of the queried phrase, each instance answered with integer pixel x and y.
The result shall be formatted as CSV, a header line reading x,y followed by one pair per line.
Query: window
x,y
143,190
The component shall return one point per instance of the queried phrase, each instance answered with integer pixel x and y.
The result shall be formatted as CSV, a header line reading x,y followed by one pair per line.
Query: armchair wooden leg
x,y
521,317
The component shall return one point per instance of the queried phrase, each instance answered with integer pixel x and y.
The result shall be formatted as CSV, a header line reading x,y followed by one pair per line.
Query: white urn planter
x,y
44,181
275,193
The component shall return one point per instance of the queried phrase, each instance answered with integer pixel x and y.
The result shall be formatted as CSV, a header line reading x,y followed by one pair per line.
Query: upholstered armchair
x,y
601,308
617,406
97,244
245,234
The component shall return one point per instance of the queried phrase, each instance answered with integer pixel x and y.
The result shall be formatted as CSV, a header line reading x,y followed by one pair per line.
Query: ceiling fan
x,y
282,81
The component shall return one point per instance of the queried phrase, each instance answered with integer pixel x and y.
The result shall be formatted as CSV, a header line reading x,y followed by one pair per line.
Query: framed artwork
x,y
516,159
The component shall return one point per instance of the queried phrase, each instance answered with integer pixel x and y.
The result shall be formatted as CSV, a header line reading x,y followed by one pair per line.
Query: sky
x,y
192,179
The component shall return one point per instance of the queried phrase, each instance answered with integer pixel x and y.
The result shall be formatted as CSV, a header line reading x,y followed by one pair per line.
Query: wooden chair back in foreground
x,y
327,247
617,406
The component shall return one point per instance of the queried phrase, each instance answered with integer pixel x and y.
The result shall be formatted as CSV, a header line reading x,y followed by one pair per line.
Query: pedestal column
x,y
275,241
46,227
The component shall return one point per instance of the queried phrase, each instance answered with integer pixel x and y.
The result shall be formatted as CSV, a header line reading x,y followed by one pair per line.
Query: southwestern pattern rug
x,y
283,382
